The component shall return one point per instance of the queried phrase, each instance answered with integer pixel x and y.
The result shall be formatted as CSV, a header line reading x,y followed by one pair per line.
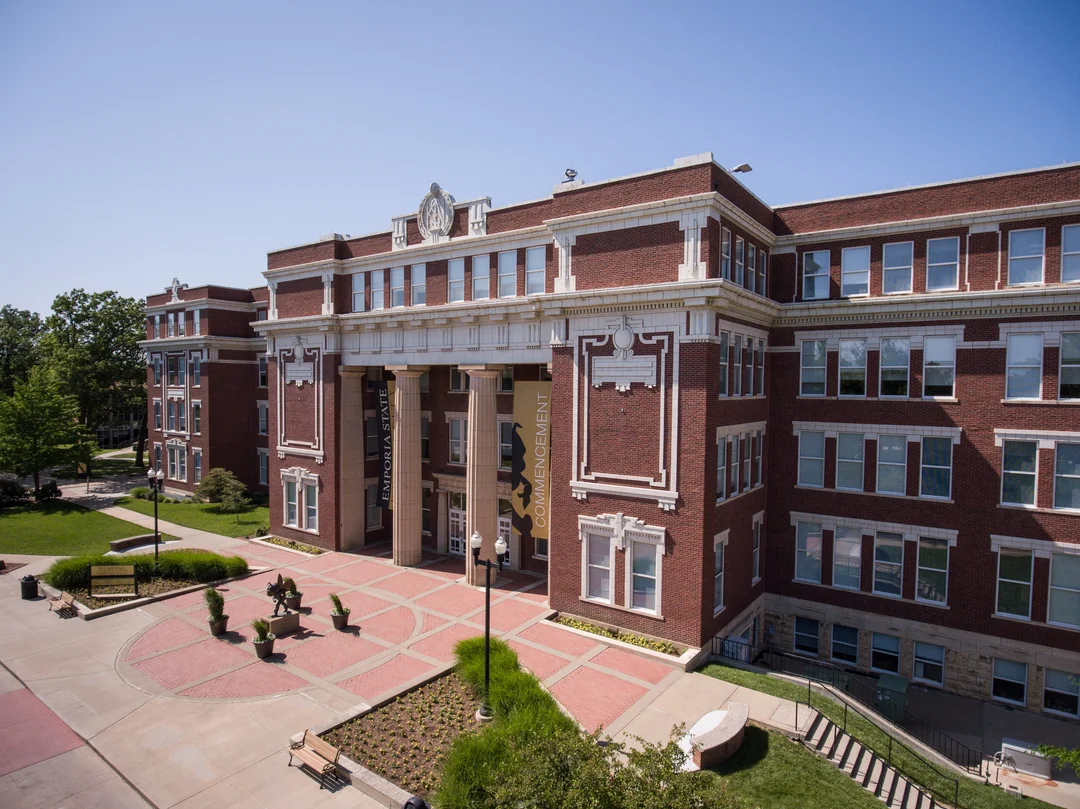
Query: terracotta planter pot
x,y
293,602
218,627
263,649
340,621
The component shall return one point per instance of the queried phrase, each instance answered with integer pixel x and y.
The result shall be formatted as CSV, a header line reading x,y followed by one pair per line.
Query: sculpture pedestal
x,y
284,624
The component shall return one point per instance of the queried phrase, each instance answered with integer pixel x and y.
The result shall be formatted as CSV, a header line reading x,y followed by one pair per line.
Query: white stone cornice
x,y
204,303
204,341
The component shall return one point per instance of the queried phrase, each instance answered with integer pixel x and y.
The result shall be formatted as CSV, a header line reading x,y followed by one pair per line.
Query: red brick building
x,y
846,429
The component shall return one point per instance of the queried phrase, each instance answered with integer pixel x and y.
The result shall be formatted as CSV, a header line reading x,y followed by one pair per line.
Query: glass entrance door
x,y
456,524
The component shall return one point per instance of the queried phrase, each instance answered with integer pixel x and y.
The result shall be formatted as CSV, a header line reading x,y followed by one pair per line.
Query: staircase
x,y
864,766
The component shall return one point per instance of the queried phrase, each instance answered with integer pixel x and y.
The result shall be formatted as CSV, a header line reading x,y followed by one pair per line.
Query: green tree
x,y
38,426
20,334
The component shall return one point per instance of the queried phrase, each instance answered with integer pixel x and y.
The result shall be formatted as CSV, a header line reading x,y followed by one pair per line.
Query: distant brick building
x,y
845,429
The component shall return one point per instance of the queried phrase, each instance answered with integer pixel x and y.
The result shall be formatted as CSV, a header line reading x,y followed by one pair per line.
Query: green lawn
x,y
973,794
772,772
204,516
58,528
104,467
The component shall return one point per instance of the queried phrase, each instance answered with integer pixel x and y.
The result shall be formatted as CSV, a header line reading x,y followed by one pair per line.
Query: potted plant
x,y
340,613
217,619
263,640
292,595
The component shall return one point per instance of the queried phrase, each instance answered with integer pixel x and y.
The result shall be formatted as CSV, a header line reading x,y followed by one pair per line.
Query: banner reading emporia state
x,y
383,420
530,479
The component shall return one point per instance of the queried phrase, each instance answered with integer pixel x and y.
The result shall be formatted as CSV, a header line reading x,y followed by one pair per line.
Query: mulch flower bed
x,y
154,587
406,740
291,544
11,567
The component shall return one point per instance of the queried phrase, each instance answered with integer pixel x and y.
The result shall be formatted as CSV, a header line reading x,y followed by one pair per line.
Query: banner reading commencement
x,y
530,495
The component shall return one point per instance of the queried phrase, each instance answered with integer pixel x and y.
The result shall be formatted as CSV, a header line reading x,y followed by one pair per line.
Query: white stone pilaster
x,y
481,471
406,477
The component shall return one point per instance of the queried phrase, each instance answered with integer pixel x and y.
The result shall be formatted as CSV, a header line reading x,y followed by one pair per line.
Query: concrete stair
x,y
863,766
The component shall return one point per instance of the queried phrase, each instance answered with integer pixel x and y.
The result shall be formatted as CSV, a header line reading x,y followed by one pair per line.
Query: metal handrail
x,y
859,689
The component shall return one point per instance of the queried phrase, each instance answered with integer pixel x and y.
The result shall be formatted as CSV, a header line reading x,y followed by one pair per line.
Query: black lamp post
x,y
484,714
156,481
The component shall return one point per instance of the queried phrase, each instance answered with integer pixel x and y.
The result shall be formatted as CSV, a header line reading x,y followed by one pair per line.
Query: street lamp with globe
x,y
484,714
156,481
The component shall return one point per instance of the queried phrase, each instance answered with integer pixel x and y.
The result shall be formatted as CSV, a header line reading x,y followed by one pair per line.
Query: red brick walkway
x,y
30,732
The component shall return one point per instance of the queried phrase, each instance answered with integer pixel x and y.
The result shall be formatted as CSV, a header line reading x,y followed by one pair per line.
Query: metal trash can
x,y
29,588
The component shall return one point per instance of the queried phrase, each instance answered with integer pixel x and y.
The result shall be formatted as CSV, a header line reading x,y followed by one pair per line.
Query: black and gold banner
x,y
530,481
384,419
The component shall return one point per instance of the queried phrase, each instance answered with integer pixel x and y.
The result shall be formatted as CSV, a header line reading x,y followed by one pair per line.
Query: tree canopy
x,y
20,336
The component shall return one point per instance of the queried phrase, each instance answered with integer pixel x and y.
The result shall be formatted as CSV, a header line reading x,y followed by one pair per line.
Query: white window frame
x,y
810,254
920,567
834,642
535,272
1030,583
159,418
196,466
1073,587
760,368
737,350
481,274
720,542
196,371
908,268
916,659
291,503
759,438
721,468
586,566
196,321
1034,475
950,365
852,370
995,676
654,539
824,368
506,444
1073,365
755,548
461,378
1066,255
196,417
725,254
845,272
172,324
796,634
751,267
763,263
1010,365
264,466
264,372
397,287
740,261
418,285
724,358
310,524
157,327
378,290
746,462
1058,475
1041,255
155,367
358,289
755,358
875,648
505,273
954,264
880,540
181,323
882,367
264,417
803,456
455,280
462,441
860,442
851,537
734,461
1073,692
923,466
805,551
372,508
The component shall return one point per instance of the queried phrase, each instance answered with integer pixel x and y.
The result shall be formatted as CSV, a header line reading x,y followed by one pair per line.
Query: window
x,y
156,365
197,321
725,254
936,478
481,277
755,553
181,455
425,511
506,381
849,461
455,280
506,444
885,653
847,558
262,372
733,462
845,644
425,382
598,576
757,457
377,290
718,550
854,271
1064,607
1061,693
929,665
418,285
311,507
157,456
540,549
459,451
264,467
196,417
808,552
643,576
196,371
171,370
1014,583
508,274
1010,681
740,249
197,465
157,326
721,469
746,463
896,264
812,381
752,375
172,324
942,264
263,428
1070,253
374,510
1069,373
260,314
535,261
371,437
723,363
895,353
811,458
397,287
1067,475
182,413
806,635
1023,374
815,275
888,563
761,369
358,291
939,367
737,375
762,261
933,575
172,415
172,463
290,503
853,367
751,267
181,322
748,369
1026,248
425,439
1019,468
459,380
181,371
157,414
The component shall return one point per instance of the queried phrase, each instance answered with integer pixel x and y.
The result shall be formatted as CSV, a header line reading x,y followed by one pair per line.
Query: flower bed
x,y
291,544
626,637
406,741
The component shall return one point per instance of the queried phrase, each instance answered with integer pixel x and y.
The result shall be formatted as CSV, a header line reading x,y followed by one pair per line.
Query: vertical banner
x,y
384,418
530,479
390,398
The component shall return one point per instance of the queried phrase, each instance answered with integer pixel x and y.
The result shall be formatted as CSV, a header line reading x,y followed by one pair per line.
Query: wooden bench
x,y
320,756
113,576
65,602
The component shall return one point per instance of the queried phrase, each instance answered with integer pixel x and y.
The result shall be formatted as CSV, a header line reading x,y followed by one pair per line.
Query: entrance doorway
x,y
456,524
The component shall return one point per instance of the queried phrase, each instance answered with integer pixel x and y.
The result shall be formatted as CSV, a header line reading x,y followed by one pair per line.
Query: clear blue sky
x,y
144,140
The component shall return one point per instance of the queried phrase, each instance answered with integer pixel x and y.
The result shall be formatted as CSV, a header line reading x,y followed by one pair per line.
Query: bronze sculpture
x,y
276,591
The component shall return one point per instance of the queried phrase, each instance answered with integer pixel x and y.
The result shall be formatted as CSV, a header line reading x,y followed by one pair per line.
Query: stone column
x,y
406,486
481,470
351,488
442,535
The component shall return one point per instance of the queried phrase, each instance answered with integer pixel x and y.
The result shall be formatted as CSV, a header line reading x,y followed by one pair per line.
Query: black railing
x,y
862,689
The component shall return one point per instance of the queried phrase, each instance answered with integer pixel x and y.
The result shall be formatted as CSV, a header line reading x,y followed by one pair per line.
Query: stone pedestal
x,y
482,466
284,624
406,473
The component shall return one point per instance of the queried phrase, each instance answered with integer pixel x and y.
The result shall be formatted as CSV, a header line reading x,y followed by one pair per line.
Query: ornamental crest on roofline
x,y
436,214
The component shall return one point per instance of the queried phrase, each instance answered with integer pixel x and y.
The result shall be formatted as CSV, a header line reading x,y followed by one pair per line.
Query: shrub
x,y
140,493
48,491
262,630
339,608
185,565
12,493
262,531
216,484
290,587
215,603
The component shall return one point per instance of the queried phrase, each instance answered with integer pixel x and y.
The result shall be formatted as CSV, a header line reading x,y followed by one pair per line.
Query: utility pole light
x,y
475,542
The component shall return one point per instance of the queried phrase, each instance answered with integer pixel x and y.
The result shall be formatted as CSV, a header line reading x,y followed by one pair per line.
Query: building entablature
x,y
210,342
205,302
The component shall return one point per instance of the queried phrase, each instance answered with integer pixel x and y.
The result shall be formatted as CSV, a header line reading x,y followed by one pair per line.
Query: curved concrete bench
x,y
719,744
119,545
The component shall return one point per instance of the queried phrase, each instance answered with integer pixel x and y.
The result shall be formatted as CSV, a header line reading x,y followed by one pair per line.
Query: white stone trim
x,y
1051,330
727,430
622,530
313,449
302,478
871,432
692,267
1046,438
873,336
911,532
1042,548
